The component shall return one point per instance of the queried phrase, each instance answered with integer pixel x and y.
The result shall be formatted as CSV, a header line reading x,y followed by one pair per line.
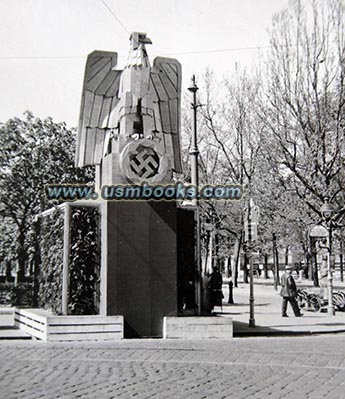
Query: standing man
x,y
215,284
289,292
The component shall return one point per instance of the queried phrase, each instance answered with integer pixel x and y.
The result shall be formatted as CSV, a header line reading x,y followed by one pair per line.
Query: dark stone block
x,y
142,264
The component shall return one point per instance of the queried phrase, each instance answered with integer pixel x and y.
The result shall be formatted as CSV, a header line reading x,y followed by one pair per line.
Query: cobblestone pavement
x,y
294,367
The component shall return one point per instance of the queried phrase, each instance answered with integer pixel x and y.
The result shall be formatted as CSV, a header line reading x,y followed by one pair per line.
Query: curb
x,y
245,334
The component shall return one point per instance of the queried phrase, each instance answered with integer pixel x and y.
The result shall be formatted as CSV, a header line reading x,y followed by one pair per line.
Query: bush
x,y
51,257
84,262
16,295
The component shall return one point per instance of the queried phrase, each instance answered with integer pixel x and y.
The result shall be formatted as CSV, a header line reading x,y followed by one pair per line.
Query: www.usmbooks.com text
x,y
145,191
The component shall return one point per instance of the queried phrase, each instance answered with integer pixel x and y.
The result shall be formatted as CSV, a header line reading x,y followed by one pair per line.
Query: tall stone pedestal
x,y
139,264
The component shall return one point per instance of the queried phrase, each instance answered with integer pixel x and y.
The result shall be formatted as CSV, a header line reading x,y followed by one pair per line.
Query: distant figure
x,y
306,271
289,292
260,270
206,297
215,284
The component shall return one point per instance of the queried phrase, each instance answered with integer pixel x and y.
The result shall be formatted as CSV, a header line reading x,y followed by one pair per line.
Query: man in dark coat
x,y
215,284
289,292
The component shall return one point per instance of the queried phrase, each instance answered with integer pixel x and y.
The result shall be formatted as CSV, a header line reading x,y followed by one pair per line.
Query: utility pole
x,y
194,154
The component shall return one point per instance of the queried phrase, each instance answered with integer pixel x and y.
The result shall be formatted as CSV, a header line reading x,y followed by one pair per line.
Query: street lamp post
x,y
251,221
194,154
327,211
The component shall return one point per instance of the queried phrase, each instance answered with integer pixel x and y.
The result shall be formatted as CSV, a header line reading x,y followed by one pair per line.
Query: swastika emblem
x,y
145,163
142,161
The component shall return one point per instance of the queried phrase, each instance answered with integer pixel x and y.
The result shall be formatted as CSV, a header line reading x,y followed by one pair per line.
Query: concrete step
x,y
11,332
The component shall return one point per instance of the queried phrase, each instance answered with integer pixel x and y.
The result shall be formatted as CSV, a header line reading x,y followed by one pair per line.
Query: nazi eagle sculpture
x,y
129,123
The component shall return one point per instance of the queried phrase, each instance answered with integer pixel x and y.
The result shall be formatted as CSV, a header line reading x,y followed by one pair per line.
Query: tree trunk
x,y
216,251
236,266
341,258
274,238
314,264
207,246
277,263
266,267
21,256
228,262
8,272
286,255
310,266
245,270
306,265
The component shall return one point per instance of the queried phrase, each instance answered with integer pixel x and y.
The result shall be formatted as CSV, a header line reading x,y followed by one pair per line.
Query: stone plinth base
x,y
139,265
196,327
45,326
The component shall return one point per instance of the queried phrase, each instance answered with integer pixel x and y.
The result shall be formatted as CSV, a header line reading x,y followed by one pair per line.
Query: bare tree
x,y
305,100
229,146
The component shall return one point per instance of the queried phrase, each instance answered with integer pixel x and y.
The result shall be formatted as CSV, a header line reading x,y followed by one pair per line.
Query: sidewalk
x,y
267,312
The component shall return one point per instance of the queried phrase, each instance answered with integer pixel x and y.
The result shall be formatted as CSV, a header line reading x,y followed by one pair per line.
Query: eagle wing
x,y
165,81
99,98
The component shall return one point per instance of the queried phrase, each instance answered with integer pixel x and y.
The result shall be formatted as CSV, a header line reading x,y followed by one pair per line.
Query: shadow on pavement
x,y
243,330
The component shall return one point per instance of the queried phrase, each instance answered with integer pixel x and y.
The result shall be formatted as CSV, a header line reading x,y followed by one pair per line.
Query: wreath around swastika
x,y
141,160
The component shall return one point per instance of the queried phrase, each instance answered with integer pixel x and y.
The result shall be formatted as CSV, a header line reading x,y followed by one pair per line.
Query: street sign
x,y
253,231
251,219
318,231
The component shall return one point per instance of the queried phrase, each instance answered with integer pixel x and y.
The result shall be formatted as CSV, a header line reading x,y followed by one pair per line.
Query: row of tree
x,y
279,132
34,153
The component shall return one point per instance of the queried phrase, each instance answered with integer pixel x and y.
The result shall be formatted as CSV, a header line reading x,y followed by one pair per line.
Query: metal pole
x,y
251,274
330,308
194,153
341,257
65,268
210,249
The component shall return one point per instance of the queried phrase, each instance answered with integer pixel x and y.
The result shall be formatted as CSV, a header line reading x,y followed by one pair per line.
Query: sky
x,y
44,44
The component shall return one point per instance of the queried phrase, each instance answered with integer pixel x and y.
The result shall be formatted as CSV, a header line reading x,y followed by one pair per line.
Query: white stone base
x,y
198,327
43,325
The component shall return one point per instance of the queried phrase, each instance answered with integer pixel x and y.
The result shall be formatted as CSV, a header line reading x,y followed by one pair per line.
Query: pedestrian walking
x,y
215,284
289,292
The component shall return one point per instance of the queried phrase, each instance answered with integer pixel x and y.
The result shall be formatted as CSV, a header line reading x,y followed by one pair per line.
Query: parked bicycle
x,y
310,299
314,302
339,300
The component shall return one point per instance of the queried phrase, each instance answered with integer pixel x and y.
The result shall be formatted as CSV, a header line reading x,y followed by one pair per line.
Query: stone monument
x,y
130,119
130,130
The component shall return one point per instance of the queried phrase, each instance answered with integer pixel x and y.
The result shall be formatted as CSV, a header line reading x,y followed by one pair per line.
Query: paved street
x,y
294,367
311,366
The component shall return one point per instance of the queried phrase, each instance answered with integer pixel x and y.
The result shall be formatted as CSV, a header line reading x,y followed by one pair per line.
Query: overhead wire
x,y
193,52
168,53
220,50
115,16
